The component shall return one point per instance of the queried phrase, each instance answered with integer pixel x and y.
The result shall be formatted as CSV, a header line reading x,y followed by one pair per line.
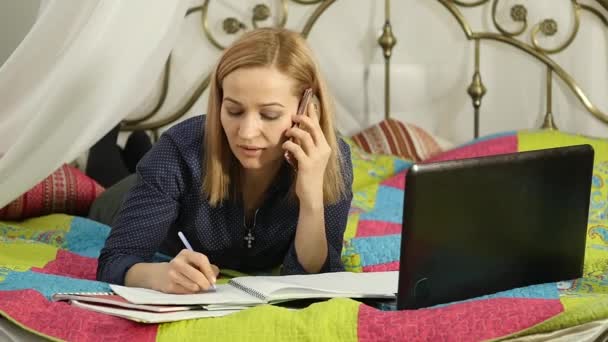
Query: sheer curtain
x,y
84,65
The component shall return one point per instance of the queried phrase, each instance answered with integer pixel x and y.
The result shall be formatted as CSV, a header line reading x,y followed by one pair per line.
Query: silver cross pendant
x,y
249,238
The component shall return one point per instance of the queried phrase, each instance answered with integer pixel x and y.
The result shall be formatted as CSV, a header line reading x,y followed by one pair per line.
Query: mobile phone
x,y
306,99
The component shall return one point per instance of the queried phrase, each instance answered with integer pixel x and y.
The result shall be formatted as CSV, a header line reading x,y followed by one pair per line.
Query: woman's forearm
x,y
310,240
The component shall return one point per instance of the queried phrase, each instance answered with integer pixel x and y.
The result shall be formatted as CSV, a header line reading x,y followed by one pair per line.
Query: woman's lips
x,y
251,151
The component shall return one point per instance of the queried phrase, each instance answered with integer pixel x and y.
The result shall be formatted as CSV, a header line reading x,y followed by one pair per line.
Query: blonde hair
x,y
288,52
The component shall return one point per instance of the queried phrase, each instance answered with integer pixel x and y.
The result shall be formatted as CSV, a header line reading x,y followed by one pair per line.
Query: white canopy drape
x,y
81,69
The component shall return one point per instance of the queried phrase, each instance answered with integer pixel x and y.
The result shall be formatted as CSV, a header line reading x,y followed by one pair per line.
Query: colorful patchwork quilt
x,y
57,253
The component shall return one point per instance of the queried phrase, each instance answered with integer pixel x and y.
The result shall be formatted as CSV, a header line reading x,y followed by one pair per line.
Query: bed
x,y
57,252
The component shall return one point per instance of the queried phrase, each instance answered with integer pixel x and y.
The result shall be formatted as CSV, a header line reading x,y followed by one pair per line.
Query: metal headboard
x,y
387,40
547,27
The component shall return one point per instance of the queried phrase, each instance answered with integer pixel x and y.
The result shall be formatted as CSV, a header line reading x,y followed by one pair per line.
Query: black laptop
x,y
478,226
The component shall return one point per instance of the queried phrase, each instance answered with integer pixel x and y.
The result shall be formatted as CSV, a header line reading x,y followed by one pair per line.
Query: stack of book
x,y
149,306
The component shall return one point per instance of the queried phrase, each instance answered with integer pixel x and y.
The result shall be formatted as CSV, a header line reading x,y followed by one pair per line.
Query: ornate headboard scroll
x,y
547,27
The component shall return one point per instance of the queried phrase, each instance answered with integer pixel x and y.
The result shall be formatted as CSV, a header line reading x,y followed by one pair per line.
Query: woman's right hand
x,y
188,272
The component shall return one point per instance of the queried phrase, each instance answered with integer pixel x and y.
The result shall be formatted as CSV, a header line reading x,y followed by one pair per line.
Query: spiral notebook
x,y
256,290
112,299
151,317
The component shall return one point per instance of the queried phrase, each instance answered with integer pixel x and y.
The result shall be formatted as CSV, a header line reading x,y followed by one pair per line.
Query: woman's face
x,y
256,111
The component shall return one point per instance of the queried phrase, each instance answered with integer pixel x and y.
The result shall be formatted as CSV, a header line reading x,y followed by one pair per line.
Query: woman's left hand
x,y
312,152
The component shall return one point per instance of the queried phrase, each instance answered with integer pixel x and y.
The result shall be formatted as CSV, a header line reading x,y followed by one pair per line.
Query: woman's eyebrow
x,y
259,105
271,104
232,100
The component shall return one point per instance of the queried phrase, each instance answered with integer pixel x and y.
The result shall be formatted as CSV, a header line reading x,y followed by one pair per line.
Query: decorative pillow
x,y
400,139
67,190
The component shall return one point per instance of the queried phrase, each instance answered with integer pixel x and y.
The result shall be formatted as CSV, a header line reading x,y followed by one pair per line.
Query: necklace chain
x,y
249,237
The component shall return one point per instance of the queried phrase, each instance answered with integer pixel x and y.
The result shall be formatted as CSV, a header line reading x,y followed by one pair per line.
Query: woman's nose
x,y
249,127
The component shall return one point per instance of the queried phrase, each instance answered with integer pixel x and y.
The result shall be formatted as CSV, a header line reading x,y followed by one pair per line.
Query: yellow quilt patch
x,y
279,324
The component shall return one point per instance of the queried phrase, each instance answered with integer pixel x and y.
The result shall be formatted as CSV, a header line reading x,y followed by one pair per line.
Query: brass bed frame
x,y
387,40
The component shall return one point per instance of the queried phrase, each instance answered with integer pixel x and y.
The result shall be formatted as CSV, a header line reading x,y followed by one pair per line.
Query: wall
x,y
16,19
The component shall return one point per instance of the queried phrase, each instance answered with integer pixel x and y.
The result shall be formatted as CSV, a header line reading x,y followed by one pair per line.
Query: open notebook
x,y
256,290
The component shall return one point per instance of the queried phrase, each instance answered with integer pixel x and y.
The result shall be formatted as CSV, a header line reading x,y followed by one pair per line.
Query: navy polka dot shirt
x,y
167,198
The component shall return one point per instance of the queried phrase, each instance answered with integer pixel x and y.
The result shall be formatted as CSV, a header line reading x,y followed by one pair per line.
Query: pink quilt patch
x,y
31,309
396,181
377,228
72,265
468,321
389,266
500,145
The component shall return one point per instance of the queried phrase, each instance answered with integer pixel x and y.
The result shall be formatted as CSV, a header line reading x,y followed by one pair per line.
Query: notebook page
x,y
224,294
258,286
152,317
324,285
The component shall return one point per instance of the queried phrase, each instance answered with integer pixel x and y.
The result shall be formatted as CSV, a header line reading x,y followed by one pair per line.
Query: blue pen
x,y
189,247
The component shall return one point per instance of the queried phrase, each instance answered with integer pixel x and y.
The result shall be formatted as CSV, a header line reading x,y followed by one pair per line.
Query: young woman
x,y
224,182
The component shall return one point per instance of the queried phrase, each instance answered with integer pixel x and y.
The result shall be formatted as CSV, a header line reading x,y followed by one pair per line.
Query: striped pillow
x,y
397,138
67,190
